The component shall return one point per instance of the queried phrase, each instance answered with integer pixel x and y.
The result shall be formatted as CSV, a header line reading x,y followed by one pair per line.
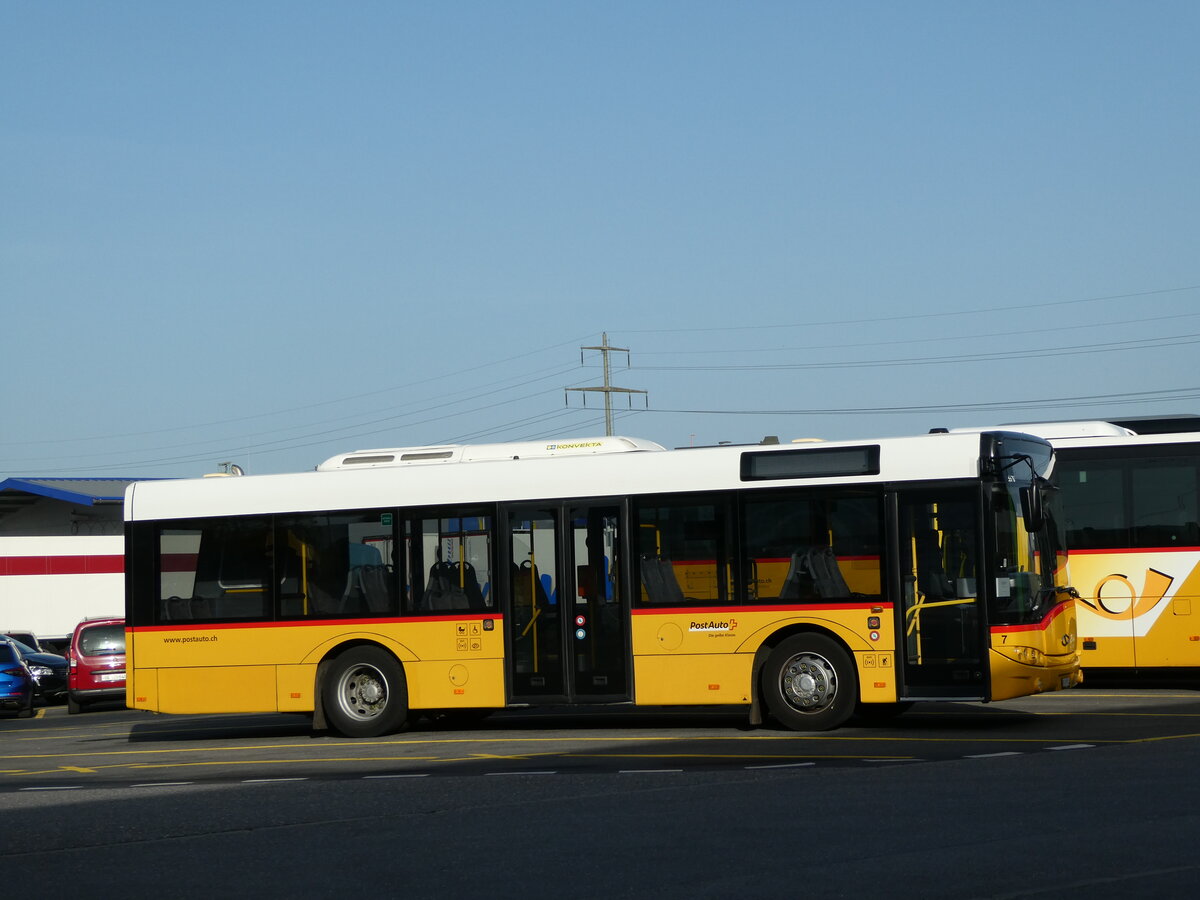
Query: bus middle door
x,y
569,635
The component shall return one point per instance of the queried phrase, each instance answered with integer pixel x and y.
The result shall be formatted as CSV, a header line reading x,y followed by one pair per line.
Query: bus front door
x,y
943,650
568,615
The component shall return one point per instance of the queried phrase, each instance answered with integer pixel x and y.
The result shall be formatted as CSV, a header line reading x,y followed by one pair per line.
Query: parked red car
x,y
96,661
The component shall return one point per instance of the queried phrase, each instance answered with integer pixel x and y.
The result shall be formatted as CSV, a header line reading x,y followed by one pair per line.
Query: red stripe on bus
x,y
478,617
1114,551
850,557
786,560
309,623
62,565
1039,626
721,610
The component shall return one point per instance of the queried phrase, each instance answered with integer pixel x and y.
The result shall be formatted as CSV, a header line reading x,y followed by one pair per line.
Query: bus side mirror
x,y
1031,508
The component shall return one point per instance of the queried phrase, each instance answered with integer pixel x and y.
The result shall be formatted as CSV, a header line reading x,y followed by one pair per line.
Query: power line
x,y
233,447
908,341
424,411
999,355
524,377
1170,394
912,316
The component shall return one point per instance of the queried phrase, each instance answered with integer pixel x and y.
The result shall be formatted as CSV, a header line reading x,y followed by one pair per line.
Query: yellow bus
x,y
1131,500
803,582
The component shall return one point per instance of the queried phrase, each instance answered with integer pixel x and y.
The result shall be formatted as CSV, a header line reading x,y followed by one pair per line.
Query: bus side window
x,y
1164,493
332,565
809,545
451,563
214,569
683,554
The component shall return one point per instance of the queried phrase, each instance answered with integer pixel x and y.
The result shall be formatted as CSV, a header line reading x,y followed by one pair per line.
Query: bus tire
x,y
364,693
809,684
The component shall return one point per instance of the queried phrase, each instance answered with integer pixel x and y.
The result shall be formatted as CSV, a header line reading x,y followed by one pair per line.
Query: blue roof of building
x,y
84,491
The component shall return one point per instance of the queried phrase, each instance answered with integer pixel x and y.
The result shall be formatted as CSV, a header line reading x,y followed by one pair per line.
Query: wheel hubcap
x,y
809,682
363,692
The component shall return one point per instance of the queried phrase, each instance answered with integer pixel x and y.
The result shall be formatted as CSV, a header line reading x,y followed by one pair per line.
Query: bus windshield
x,y
1028,554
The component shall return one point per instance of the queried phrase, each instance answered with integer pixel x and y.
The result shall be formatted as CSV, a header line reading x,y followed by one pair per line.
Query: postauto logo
x,y
713,625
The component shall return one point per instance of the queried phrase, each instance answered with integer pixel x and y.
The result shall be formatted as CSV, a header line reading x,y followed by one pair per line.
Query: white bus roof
x,y
1124,432
1053,431
508,473
447,453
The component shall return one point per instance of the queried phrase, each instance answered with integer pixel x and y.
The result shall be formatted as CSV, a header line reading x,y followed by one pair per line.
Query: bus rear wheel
x,y
364,693
808,683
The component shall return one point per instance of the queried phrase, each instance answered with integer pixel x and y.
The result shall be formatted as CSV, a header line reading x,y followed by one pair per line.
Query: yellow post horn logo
x,y
1113,606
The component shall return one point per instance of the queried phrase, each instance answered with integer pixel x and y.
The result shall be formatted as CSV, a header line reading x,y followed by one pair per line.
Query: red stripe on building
x,y
62,565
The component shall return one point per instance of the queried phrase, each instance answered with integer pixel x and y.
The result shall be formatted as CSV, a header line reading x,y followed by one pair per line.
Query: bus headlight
x,y
1027,656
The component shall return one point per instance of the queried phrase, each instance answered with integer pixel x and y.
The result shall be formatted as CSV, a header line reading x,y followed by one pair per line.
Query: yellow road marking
x,y
225,762
160,758
726,756
1161,737
503,755
574,739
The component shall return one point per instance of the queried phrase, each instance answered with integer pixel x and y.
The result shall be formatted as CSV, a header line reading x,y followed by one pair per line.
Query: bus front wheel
x,y
364,693
808,683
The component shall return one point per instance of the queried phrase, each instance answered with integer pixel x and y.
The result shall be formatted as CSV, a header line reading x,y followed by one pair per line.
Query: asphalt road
x,y
1089,791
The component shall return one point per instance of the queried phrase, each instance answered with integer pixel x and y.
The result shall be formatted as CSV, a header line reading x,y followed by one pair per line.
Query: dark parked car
x,y
49,672
97,661
16,681
28,638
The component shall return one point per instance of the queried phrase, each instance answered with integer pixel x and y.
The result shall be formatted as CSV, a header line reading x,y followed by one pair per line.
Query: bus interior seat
x,y
523,576
814,572
658,578
176,609
794,580
452,586
367,590
185,609
376,588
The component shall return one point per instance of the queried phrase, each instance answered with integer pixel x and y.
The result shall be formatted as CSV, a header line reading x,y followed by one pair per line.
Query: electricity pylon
x,y
608,389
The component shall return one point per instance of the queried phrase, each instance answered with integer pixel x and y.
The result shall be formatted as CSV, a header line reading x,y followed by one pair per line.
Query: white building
x,y
62,553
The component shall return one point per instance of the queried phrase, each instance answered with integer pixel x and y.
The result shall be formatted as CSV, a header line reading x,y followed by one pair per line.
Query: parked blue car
x,y
16,681
49,671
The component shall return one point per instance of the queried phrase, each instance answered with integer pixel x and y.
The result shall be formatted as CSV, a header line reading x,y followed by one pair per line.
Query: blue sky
x,y
268,232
